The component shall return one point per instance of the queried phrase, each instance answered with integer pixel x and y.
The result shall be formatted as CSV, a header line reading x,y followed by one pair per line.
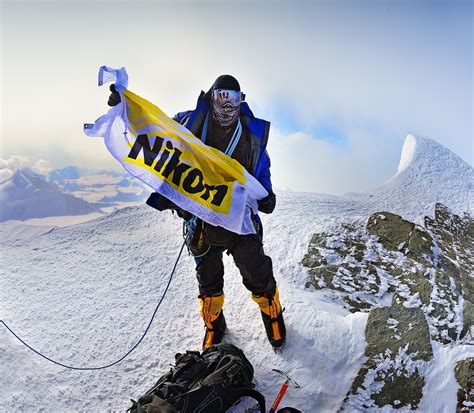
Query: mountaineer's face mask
x,y
226,105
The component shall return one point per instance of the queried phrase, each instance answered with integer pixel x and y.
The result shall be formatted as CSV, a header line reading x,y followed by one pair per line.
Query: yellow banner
x,y
164,148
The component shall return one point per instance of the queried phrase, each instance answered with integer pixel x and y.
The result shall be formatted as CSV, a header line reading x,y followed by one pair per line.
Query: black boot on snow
x,y
272,316
211,312
276,330
215,334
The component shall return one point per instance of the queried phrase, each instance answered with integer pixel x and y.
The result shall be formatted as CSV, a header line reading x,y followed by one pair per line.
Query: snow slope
x,y
86,304
83,294
28,195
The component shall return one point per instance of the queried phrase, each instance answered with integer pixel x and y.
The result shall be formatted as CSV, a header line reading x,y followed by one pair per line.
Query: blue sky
x,y
343,82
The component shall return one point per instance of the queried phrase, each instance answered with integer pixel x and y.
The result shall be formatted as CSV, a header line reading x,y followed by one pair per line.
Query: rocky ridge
x,y
416,282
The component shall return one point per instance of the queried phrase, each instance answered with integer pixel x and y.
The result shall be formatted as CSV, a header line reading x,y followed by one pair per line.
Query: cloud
x,y
5,174
16,162
303,163
42,167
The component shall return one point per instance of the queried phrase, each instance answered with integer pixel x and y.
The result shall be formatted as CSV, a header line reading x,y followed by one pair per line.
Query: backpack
x,y
211,381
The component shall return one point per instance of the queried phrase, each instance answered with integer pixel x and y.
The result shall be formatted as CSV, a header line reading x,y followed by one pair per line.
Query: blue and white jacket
x,y
258,130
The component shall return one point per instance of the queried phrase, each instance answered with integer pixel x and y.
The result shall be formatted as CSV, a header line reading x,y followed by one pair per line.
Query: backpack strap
x,y
239,392
215,398
157,405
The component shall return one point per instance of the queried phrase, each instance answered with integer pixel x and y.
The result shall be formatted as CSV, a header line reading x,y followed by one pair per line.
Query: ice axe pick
x,y
283,389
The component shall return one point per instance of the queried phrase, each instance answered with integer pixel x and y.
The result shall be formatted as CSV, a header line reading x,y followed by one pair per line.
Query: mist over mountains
x,y
105,188
70,191
427,173
28,195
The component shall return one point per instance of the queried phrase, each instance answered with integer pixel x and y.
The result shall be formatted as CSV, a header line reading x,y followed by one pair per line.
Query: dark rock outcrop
x,y
464,373
426,273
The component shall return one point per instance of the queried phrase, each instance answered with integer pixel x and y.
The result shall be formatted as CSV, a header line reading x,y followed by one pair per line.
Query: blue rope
x,y
121,358
234,140
204,129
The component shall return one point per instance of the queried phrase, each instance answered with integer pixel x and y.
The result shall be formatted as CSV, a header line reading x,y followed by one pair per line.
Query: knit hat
x,y
226,82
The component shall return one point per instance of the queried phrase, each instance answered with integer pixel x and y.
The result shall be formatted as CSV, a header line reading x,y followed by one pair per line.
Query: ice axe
x,y
280,395
283,389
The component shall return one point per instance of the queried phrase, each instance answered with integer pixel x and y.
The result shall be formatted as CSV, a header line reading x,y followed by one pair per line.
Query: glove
x,y
267,204
159,202
114,98
162,203
183,214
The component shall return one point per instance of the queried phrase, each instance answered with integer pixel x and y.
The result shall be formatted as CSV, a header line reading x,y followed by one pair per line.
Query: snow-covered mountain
x,y
67,173
98,282
427,173
28,195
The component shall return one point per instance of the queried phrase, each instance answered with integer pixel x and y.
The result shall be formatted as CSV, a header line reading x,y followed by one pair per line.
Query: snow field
x,y
84,294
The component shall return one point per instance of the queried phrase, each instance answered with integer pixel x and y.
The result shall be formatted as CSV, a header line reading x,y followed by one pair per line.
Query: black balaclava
x,y
227,114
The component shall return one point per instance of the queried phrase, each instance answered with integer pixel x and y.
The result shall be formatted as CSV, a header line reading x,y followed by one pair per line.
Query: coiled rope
x,y
128,352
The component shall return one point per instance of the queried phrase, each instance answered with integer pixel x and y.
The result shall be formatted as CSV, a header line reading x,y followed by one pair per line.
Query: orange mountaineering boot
x,y
213,316
272,316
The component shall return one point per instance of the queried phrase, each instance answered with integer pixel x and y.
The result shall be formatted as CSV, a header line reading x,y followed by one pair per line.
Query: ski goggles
x,y
223,96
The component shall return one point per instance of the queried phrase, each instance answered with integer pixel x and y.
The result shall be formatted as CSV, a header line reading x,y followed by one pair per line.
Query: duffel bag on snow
x,y
207,382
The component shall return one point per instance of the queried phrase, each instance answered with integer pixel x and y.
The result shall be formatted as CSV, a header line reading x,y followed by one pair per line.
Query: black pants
x,y
255,267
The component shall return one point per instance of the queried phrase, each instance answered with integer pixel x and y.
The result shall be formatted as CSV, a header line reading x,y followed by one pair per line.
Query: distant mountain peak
x,y
20,179
28,195
24,177
427,173
428,156
69,172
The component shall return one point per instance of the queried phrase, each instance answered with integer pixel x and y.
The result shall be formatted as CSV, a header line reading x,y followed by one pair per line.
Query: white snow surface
x,y
441,385
83,295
